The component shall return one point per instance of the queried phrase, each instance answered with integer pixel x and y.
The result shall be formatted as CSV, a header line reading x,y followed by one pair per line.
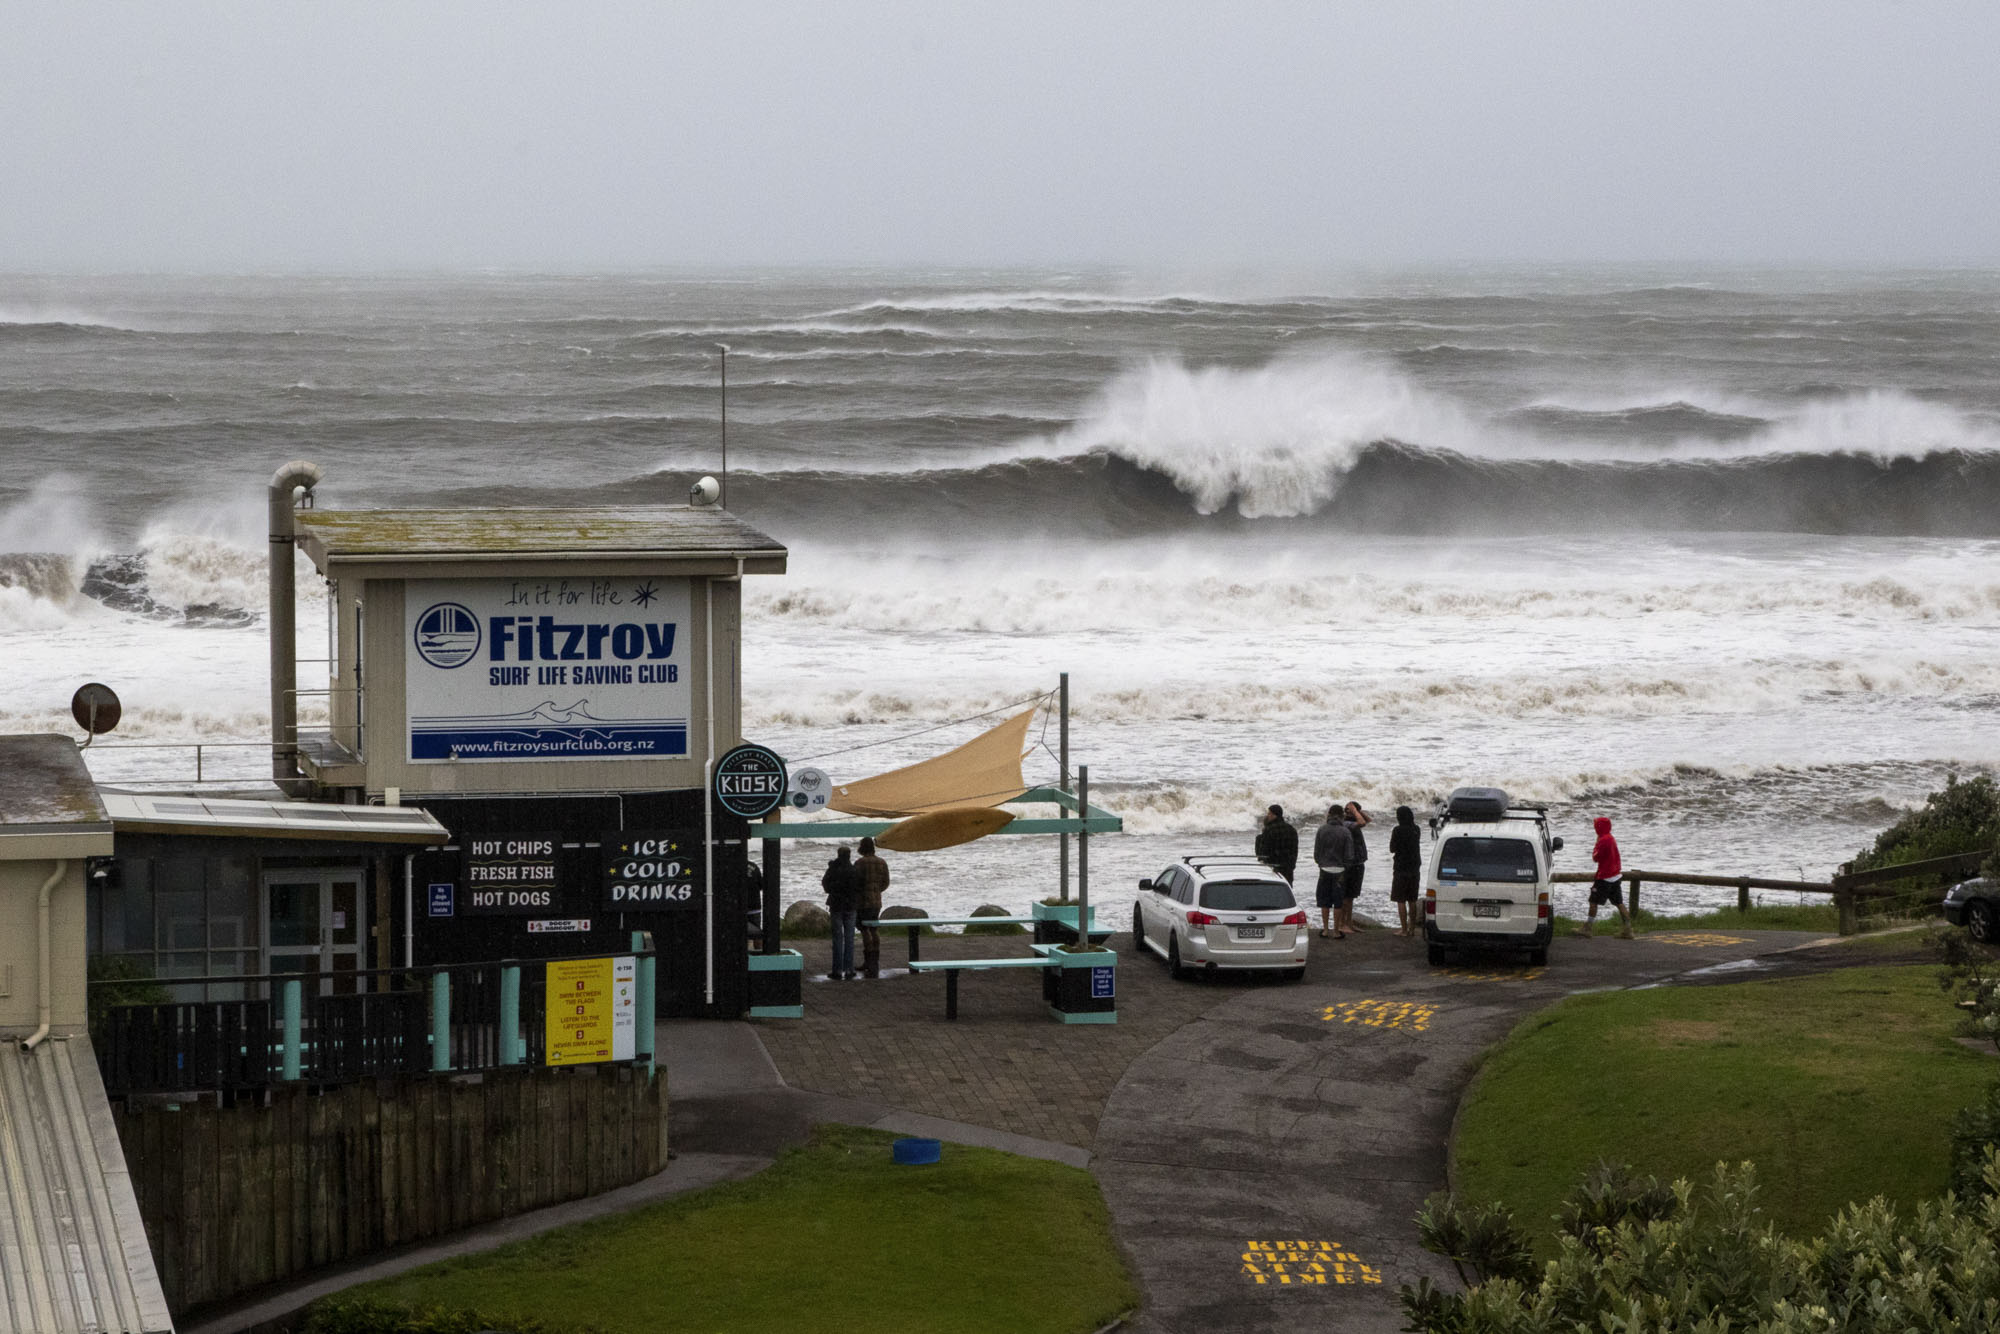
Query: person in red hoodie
x,y
1604,889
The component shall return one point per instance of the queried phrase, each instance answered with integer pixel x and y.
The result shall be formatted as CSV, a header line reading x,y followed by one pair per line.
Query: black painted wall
x,y
582,822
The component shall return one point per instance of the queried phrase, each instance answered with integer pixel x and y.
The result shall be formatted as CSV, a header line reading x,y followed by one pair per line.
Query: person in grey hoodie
x,y
1333,849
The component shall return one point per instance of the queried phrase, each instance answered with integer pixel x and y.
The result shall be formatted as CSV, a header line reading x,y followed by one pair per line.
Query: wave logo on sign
x,y
447,635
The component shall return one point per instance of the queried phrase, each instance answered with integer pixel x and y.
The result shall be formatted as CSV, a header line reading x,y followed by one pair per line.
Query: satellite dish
x,y
95,708
704,492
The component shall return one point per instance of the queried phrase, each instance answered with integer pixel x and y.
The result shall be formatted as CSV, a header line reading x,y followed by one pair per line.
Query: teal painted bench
x,y
916,925
952,967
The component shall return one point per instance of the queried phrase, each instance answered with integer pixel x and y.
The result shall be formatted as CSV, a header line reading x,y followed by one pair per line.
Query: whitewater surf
x,y
1716,559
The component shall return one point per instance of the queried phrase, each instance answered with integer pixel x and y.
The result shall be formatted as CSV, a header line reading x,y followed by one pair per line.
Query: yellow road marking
x,y
1304,1264
1414,1016
1470,975
1698,939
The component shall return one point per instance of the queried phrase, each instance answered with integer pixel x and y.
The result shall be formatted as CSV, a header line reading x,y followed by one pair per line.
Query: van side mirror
x,y
1145,884
1556,846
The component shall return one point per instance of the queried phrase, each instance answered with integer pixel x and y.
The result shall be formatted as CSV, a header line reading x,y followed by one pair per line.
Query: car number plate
x,y
1249,933
1485,910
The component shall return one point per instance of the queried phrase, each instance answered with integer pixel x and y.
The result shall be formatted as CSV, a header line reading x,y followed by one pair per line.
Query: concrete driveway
x,y
1264,1162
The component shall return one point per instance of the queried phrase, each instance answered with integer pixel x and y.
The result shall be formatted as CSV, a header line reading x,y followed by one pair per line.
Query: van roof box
x,y
1477,804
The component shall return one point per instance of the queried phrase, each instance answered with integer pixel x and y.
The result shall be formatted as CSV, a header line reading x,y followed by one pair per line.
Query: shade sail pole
x,y
1083,861
1062,781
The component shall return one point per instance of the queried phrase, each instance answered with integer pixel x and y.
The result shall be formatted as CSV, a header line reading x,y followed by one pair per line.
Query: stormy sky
x,y
240,137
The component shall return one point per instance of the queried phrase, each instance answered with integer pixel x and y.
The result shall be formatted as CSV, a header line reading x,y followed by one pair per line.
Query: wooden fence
x,y
1848,889
239,1196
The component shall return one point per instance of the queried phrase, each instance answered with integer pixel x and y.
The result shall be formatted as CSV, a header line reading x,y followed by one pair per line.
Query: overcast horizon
x,y
1162,139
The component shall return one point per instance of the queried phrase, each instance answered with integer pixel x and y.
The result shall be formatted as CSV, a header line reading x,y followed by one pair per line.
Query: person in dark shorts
x,y
1604,889
1278,843
1357,865
1333,845
1406,857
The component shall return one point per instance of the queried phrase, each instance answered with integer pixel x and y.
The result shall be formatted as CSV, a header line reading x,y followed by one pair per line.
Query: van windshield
x,y
1246,895
1487,859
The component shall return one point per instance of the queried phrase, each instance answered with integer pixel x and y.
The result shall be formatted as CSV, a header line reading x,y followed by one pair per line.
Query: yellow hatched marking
x,y
1304,1264
1473,975
1414,1016
1698,939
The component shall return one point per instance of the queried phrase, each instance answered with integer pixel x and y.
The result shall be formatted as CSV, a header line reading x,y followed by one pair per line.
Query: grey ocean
x,y
1716,558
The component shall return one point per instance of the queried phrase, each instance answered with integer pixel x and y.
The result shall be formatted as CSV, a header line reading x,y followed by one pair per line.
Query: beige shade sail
x,y
943,829
985,771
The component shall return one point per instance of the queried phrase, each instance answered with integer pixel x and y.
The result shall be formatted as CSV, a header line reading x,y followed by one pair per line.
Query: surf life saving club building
x,y
560,691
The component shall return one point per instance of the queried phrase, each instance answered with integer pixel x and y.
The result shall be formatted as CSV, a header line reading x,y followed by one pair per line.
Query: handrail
x,y
457,1018
232,979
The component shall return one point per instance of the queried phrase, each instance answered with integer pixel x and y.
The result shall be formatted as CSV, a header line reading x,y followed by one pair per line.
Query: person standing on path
x,y
1278,843
1333,846
874,884
1356,820
1604,889
842,883
1406,858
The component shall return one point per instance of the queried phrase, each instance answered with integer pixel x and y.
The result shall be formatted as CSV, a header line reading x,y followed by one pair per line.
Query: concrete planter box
x,y
1055,924
777,985
1082,988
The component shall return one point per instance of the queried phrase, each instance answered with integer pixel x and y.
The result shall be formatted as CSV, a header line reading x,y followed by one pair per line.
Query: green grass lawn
x,y
1839,1087
832,1238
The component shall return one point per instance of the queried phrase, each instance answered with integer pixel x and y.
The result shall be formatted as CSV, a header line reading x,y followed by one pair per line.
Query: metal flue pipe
x,y
285,483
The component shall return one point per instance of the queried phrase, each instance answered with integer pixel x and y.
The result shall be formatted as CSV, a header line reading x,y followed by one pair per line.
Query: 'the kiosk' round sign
x,y
750,781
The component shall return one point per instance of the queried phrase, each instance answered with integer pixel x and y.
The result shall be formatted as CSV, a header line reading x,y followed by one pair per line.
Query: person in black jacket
x,y
842,883
1278,843
1406,858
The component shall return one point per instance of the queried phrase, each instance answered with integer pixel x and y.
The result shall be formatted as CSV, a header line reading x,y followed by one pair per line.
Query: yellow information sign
x,y
589,1016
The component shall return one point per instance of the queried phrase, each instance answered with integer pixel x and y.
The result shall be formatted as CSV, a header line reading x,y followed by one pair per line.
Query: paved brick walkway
x,y
1004,1062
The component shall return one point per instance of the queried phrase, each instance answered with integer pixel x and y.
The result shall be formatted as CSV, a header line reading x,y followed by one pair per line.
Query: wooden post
x,y
1632,896
1743,896
1843,899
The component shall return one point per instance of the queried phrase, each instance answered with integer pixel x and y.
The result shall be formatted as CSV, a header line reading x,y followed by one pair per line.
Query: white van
x,y
1487,886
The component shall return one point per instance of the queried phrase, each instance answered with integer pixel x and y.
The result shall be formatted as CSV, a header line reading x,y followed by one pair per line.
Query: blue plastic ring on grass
x,y
916,1152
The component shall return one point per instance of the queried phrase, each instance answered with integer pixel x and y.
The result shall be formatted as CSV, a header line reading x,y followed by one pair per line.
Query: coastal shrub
x,y
1974,1138
1964,817
125,981
1636,1256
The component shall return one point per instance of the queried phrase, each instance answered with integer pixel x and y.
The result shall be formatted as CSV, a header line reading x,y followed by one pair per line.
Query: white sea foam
x,y
1040,600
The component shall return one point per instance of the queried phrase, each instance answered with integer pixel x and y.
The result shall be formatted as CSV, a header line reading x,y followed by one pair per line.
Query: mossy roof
x,y
646,530
44,783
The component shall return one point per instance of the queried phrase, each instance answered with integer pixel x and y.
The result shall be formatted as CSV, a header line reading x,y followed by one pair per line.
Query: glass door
x,y
312,924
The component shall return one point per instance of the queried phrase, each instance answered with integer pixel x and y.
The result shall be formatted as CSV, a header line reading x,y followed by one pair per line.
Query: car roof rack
x,y
1201,861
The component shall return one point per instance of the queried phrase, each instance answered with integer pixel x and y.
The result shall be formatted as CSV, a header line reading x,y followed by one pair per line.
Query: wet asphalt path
x,y
1263,1164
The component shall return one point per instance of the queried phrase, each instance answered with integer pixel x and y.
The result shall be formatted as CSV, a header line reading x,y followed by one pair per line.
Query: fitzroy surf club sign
x,y
583,667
